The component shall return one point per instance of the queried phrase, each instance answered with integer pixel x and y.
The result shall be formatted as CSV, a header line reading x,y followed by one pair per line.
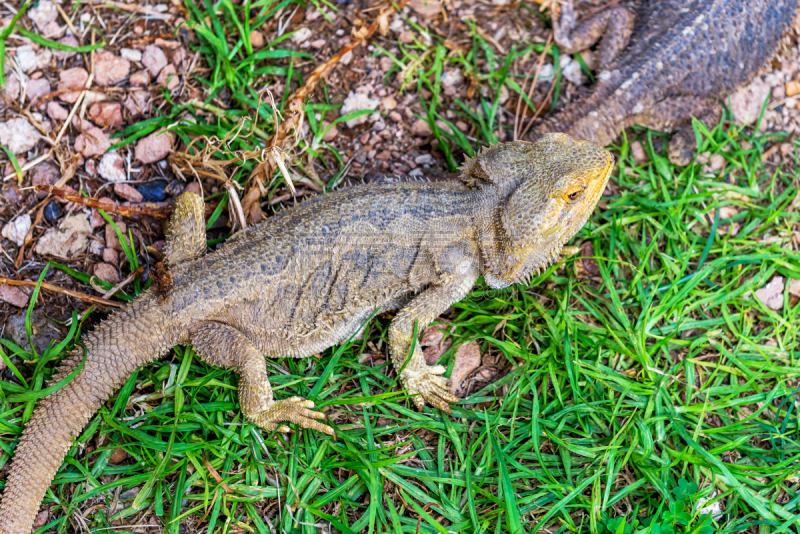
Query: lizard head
x,y
559,182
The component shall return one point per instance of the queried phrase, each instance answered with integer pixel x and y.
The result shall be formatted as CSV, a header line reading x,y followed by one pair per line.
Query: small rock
x,y
193,187
426,8
331,134
452,78
153,191
106,114
168,78
301,35
57,111
443,126
716,162
74,78
424,159
69,239
386,63
358,102
29,59
110,256
44,174
154,59
112,241
18,135
779,92
13,296
347,58
130,494
69,40
118,456
130,54
792,88
319,43
43,333
406,37
395,116
154,147
43,14
16,229
95,247
106,272
92,142
468,358
140,77
38,88
110,69
90,167
12,88
112,167
746,103
51,212
786,149
137,102
127,192
794,287
572,72
388,103
421,128
639,156
772,293
257,39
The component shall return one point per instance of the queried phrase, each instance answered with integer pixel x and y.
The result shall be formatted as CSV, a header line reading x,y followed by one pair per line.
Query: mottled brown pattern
x,y
309,278
665,61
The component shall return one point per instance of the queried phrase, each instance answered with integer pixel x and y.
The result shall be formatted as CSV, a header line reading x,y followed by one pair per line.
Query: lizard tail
x,y
135,335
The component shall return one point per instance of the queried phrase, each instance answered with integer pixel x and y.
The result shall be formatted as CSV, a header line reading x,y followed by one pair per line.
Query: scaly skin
x,y
309,278
662,62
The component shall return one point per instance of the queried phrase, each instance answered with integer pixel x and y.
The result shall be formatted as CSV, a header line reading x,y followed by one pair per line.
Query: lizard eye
x,y
573,194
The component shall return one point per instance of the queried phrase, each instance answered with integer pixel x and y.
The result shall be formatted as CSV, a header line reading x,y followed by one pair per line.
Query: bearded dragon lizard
x,y
310,277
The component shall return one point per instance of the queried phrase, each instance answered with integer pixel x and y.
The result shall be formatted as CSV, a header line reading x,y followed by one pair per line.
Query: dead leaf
x,y
468,358
434,344
68,240
251,205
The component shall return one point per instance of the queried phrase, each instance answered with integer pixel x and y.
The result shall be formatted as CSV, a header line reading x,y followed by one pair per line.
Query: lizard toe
x,y
295,410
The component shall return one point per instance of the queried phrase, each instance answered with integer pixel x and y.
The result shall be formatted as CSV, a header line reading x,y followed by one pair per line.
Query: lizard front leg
x,y
614,25
417,376
221,345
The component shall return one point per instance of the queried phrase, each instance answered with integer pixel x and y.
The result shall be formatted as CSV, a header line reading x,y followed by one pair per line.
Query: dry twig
x,y
50,287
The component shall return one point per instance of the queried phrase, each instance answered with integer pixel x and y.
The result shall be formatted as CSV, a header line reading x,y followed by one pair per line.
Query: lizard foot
x,y
427,384
294,409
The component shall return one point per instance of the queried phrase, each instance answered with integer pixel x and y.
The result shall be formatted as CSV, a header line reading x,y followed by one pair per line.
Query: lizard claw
x,y
429,387
295,410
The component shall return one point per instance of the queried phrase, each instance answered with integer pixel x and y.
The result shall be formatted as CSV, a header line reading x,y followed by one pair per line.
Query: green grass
x,y
631,394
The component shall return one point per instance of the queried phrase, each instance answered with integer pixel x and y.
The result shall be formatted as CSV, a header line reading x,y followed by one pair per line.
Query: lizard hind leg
x,y
222,345
675,115
186,234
